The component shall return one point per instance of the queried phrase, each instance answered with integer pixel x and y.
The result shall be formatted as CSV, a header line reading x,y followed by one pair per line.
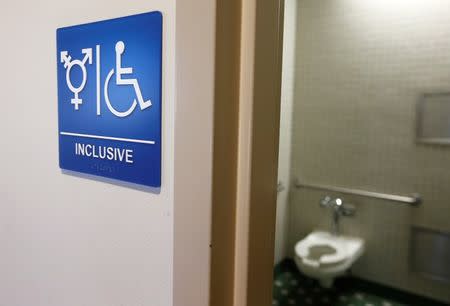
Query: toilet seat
x,y
302,249
324,256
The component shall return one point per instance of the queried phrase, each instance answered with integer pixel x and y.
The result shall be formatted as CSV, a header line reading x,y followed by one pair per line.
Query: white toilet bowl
x,y
324,256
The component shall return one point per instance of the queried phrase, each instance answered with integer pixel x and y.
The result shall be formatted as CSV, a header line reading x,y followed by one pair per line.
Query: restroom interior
x,y
359,83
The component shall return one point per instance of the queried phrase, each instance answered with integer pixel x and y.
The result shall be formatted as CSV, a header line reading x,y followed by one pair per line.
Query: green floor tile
x,y
290,288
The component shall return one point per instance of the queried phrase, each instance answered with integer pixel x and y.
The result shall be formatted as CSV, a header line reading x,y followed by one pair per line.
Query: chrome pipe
x,y
280,187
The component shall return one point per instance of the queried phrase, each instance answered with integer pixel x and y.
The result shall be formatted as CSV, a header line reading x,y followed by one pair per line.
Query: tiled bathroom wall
x,y
360,68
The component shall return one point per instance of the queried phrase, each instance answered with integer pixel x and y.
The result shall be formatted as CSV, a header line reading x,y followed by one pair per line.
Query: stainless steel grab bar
x,y
414,199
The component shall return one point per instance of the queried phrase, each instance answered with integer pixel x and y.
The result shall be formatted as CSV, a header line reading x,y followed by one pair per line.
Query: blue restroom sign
x,y
109,98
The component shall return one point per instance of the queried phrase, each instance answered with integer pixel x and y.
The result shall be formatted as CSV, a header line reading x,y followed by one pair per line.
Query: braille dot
x,y
278,283
274,302
284,292
291,302
385,303
294,282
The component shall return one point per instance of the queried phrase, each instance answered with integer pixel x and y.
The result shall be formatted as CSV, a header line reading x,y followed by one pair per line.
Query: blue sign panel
x,y
109,98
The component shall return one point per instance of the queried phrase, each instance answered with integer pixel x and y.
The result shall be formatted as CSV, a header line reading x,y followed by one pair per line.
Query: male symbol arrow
x,y
66,58
87,56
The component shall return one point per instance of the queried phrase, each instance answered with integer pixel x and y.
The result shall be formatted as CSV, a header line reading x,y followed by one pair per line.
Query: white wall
x,y
287,100
69,241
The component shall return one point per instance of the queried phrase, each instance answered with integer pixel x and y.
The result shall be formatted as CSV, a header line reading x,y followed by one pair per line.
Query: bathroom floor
x,y
292,288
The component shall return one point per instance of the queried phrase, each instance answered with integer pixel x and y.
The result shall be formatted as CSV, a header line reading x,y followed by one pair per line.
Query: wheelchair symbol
x,y
119,80
120,49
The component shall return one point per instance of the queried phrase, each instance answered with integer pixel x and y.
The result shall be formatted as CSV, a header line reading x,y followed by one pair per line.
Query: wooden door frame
x,y
249,35
258,198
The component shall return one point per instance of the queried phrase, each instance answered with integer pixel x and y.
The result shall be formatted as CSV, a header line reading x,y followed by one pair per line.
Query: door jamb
x,y
259,108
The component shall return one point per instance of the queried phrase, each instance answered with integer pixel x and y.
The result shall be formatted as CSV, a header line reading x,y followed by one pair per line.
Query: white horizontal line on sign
x,y
108,138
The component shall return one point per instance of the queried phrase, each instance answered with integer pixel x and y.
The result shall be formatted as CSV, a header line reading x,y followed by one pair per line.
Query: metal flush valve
x,y
339,208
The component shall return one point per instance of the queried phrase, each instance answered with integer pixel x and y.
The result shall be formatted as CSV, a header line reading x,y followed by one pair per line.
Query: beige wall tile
x,y
360,68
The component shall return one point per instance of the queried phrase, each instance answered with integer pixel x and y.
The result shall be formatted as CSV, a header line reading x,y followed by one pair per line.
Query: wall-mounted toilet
x,y
324,256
